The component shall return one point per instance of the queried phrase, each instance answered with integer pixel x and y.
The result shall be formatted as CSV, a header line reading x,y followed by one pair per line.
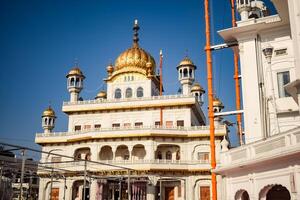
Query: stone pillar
x,y
130,152
113,149
69,190
42,189
94,152
94,188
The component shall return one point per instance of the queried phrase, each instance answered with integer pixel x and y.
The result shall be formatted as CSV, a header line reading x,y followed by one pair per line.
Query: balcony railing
x,y
133,164
275,146
98,101
122,129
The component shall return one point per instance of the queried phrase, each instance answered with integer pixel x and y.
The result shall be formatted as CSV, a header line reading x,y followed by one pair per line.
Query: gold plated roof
x,y
186,61
101,94
134,57
217,102
75,71
49,112
197,87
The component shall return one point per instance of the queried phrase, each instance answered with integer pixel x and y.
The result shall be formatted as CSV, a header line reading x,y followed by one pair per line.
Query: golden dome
x,y
49,112
217,102
75,71
186,61
101,95
135,58
197,87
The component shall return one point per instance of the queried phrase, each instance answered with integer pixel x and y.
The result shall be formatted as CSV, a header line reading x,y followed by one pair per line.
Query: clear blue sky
x,y
39,41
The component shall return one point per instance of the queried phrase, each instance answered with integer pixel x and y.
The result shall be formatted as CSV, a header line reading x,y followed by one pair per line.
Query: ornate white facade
x,y
268,166
121,129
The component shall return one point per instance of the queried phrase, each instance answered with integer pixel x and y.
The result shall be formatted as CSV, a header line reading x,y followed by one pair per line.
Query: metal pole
x,y
1,171
120,188
210,100
22,174
160,85
129,186
30,185
64,187
51,184
84,180
236,79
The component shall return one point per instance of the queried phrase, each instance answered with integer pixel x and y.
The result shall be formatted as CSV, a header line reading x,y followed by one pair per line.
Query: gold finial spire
x,y
135,34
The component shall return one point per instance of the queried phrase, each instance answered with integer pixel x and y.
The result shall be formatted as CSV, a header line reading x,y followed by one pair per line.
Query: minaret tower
x,y
75,83
198,92
243,7
186,75
217,107
48,120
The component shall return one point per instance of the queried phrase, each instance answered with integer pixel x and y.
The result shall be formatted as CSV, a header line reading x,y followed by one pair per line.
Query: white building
x,y
121,126
268,166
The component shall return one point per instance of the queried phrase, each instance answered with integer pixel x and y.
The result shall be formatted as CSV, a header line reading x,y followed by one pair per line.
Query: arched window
x,y
169,155
128,93
159,155
140,92
72,82
185,72
118,94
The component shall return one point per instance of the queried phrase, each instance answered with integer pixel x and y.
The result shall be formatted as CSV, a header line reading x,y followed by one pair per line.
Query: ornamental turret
x,y
101,95
198,92
186,75
48,120
75,83
251,9
217,108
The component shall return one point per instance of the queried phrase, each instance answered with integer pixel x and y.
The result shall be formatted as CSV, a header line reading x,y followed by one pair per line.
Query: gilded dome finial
x,y
135,34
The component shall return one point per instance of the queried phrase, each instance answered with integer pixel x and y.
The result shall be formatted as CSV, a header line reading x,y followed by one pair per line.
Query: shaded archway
x,y
278,192
274,192
77,190
138,152
168,152
122,153
106,153
82,153
241,195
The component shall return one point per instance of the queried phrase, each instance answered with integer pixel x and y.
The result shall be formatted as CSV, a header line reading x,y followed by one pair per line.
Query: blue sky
x,y
41,39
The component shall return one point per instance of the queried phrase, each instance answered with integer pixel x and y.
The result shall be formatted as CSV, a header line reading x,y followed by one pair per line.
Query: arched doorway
x,y
274,192
241,195
122,153
78,190
106,153
278,192
138,152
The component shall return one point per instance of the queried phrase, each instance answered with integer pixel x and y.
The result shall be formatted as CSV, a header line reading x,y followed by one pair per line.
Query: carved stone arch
x,y
195,147
263,193
196,186
47,188
138,152
106,152
241,194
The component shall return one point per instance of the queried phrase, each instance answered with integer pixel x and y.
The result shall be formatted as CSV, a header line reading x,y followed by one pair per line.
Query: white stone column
x,y
69,184
150,192
93,189
42,185
94,152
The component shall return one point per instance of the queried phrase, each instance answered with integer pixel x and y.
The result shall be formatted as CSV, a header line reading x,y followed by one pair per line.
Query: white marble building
x,y
268,165
121,127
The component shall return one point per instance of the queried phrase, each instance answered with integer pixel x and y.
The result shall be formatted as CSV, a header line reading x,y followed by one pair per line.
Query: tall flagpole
x,y
237,81
160,84
210,100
